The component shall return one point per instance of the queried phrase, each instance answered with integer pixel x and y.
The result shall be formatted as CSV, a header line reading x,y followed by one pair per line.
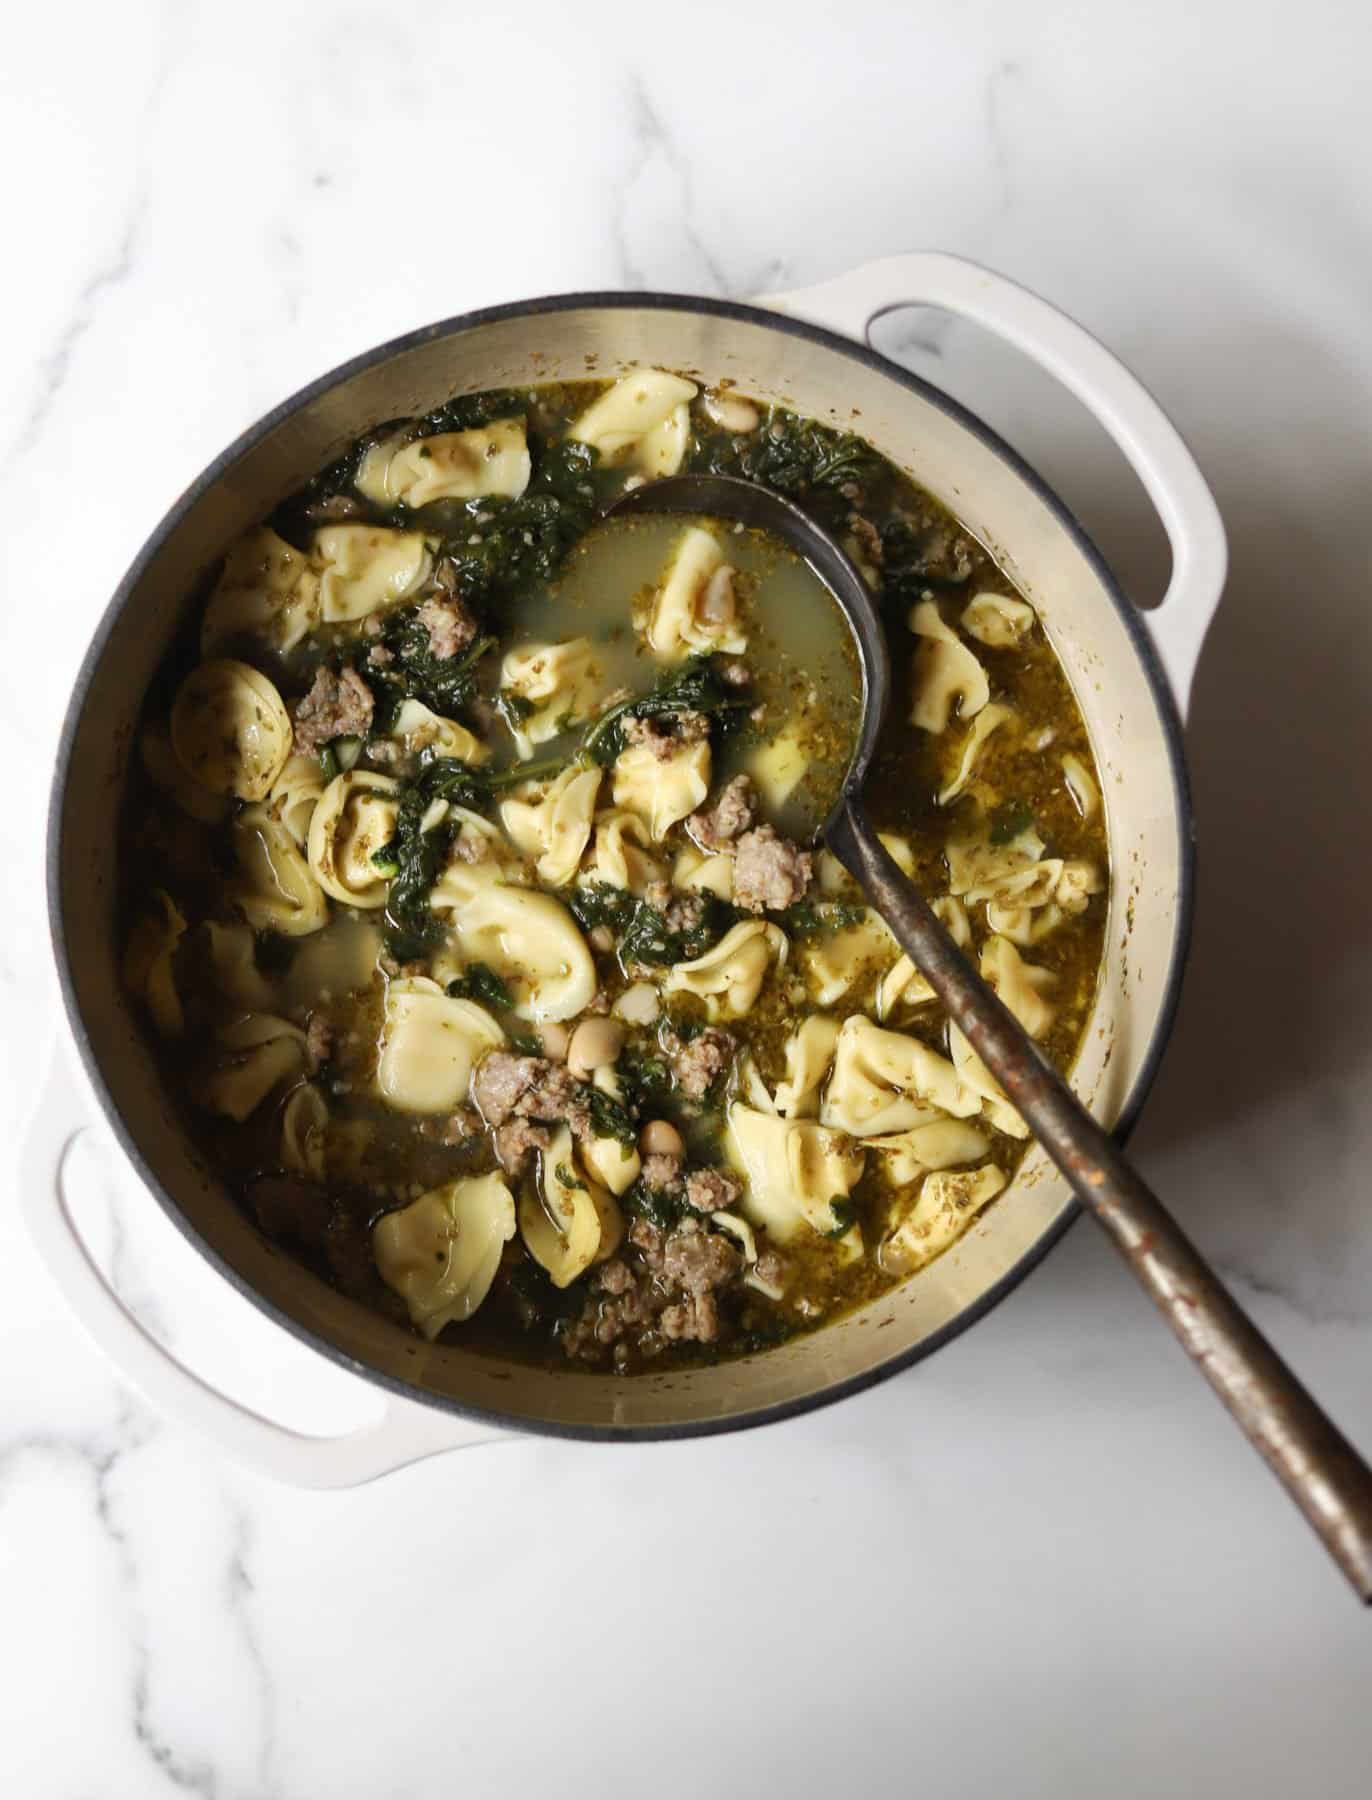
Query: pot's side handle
x,y
404,1433
852,303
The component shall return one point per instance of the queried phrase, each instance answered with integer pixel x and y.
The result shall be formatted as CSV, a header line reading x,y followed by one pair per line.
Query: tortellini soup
x,y
475,905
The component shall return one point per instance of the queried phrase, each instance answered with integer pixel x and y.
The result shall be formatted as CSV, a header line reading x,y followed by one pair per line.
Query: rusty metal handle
x,y
1322,1472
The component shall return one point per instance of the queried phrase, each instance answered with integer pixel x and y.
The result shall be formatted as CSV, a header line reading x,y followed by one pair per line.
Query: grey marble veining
x,y
1039,1564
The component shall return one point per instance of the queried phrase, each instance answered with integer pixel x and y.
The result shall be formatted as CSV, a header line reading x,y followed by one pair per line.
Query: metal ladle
x,y
1321,1471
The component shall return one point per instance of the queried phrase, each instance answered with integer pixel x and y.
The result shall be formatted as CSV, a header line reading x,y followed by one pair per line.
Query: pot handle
x,y
1151,444
403,1433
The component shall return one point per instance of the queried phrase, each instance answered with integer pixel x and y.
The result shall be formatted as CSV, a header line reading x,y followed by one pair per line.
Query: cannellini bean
x,y
638,1004
731,412
555,1040
595,1045
660,1138
601,938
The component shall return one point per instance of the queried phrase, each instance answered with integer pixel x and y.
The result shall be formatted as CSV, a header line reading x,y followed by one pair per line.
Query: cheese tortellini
x,y
366,567
268,592
939,1143
947,675
662,790
903,985
294,793
809,1052
441,1252
529,940
948,1202
569,1221
695,608
987,722
275,889
148,959
253,1056
230,729
620,853
551,824
1019,984
454,465
549,688
886,1081
974,1075
997,621
354,818
430,1043
304,1133
644,419
418,729
729,978
847,961
795,1171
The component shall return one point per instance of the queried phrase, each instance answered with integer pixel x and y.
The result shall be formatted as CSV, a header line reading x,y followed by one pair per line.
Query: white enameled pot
x,y
1131,673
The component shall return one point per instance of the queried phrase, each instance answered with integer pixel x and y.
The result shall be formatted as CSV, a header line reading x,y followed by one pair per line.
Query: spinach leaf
x,y
478,982
419,855
611,1118
845,1215
649,939
469,411
645,1078
1009,820
810,919
601,904
644,1202
444,683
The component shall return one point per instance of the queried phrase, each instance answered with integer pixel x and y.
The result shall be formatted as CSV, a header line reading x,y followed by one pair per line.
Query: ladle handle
x,y
1321,1471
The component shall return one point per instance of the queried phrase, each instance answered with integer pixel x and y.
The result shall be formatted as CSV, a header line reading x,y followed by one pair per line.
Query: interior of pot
x,y
942,449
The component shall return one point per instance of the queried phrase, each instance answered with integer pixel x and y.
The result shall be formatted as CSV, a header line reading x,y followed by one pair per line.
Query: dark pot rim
x,y
1134,626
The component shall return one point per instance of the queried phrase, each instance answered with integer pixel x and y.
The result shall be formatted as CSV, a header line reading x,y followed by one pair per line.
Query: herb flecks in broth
x,y
472,891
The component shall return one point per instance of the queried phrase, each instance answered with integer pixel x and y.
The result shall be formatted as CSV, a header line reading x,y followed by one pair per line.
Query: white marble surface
x,y
1041,1563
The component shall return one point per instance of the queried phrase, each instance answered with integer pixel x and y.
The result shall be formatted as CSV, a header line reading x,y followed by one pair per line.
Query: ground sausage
x,y
660,1174
680,912
868,539
449,624
318,1040
698,1062
336,706
770,872
509,1087
711,1190
665,736
732,813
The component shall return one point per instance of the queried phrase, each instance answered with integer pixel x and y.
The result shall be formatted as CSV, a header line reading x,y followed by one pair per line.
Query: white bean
x,y
595,1045
731,412
555,1041
660,1138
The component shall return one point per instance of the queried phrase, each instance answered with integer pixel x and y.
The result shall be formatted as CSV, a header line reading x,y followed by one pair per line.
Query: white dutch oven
x,y
1131,673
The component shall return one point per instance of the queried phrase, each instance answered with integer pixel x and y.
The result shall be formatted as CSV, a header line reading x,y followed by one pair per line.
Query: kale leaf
x,y
651,940
795,456
697,687
1008,821
599,903
808,919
